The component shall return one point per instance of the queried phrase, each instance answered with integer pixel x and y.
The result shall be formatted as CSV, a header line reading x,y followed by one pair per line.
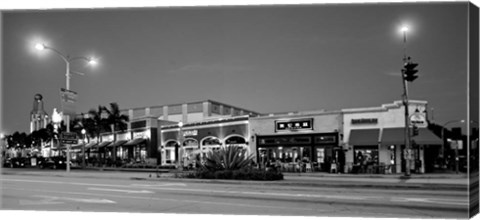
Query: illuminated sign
x,y
364,121
294,125
190,133
418,119
141,134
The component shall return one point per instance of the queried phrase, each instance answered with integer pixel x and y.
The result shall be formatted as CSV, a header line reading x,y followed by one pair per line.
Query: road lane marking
x,y
83,200
53,200
431,200
120,190
159,185
125,196
339,197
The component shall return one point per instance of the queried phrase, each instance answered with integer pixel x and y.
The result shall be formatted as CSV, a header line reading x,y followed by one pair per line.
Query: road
x,y
51,193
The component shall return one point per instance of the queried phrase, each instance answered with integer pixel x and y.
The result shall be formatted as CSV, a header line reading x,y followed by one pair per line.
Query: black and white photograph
x,y
284,110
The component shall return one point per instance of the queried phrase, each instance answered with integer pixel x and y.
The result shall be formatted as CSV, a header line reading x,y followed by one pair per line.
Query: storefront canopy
x,y
103,144
135,141
90,145
397,136
117,143
364,137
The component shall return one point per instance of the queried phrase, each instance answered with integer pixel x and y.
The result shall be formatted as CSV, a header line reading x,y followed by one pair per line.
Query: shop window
x,y
211,141
366,155
235,140
190,143
320,155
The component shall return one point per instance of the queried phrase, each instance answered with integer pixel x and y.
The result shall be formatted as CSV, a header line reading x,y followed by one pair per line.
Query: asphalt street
x,y
141,195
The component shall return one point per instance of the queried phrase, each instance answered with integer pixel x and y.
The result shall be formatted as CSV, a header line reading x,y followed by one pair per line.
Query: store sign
x,y
143,134
364,121
294,125
190,133
123,136
418,119
107,138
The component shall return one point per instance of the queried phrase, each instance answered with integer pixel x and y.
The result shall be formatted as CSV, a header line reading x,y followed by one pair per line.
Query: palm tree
x,y
117,121
95,124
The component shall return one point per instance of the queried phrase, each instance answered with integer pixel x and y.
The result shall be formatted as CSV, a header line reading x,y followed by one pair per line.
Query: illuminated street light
x,y
67,59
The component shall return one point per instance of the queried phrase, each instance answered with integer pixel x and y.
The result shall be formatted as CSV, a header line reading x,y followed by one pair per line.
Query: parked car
x,y
55,163
7,162
15,162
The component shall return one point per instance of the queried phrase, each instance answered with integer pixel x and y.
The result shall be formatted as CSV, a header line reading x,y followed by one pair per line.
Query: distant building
x,y
38,117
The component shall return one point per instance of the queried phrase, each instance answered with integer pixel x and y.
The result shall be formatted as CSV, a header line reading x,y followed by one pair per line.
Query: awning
x,y
103,144
117,143
90,145
135,141
393,136
364,137
397,136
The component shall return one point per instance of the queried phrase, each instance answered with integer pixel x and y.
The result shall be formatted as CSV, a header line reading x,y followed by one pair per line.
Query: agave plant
x,y
229,158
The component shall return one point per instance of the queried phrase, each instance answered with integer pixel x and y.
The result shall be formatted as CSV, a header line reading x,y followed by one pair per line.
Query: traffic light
x,y
409,71
414,130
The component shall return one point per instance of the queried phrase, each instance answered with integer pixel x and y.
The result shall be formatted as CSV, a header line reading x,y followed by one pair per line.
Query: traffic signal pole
x,y
407,130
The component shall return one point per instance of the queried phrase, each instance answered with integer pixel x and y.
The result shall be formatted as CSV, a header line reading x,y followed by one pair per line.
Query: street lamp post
x,y
83,148
67,60
443,142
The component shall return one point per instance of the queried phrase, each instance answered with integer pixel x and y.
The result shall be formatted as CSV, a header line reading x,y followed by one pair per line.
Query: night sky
x,y
265,59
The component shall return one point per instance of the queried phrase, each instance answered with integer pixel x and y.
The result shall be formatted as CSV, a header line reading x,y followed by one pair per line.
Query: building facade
x,y
181,143
374,139
309,137
142,141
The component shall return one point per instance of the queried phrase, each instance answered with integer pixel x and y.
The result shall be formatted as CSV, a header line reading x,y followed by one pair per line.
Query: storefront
x,y
311,140
375,139
184,143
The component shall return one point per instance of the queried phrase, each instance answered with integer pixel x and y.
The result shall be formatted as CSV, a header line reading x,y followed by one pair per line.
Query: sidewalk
x,y
416,181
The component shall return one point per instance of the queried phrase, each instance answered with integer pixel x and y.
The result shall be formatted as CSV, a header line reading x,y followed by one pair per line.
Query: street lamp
x,y
83,148
67,60
443,142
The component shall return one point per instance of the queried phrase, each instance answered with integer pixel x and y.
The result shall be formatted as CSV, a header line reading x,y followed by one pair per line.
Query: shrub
x,y
229,158
241,174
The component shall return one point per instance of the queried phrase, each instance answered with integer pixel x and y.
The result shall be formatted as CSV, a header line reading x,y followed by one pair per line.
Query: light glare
x,y
404,29
40,46
92,61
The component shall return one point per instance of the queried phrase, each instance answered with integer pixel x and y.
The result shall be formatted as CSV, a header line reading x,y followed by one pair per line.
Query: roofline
x,y
192,124
194,102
